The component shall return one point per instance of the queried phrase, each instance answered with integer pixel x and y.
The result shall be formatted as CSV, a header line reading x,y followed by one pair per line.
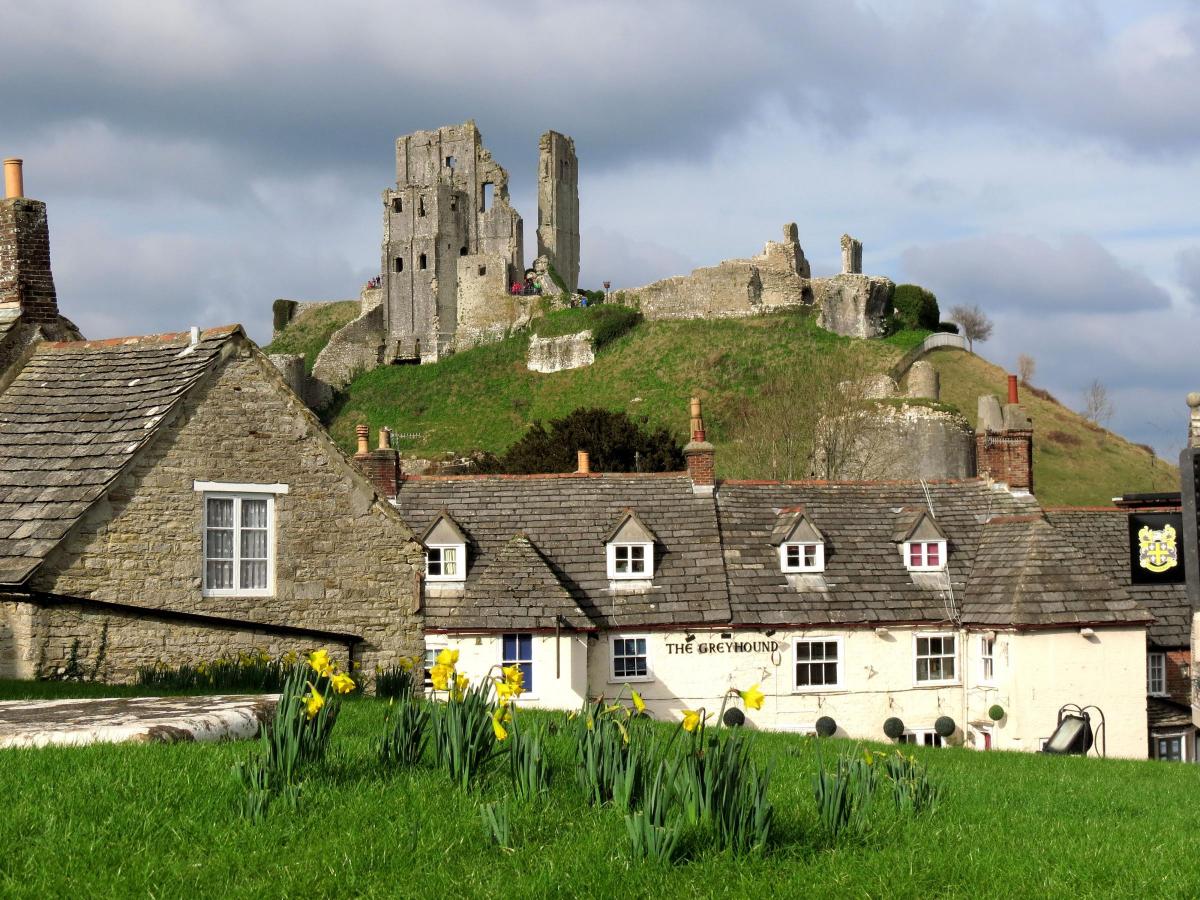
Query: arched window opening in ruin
x,y
399,263
451,162
422,262
421,206
485,200
397,204
482,271
453,204
462,251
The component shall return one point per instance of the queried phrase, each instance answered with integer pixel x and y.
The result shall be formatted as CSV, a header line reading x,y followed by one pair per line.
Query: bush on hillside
x,y
606,322
947,327
914,307
615,442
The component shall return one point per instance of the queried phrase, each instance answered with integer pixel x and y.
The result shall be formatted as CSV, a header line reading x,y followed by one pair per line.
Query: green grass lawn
x,y
311,330
159,820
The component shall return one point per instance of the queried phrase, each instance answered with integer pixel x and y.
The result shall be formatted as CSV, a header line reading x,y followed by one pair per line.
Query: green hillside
x,y
484,399
311,330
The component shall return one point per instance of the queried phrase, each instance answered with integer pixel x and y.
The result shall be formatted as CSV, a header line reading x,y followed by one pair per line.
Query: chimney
x,y
700,454
1004,441
14,183
1193,402
584,465
26,283
382,465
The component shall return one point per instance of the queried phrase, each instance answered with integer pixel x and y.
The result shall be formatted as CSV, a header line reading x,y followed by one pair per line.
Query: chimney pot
x,y
585,463
14,182
364,438
385,438
697,423
1012,389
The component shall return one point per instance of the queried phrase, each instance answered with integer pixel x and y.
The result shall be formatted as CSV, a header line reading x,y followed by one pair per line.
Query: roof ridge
x,y
168,337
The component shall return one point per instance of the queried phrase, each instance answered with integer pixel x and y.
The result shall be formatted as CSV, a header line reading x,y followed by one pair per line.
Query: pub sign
x,y
1156,548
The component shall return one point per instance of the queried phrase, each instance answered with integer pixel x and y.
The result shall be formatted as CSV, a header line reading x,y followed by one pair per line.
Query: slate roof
x,y
865,578
566,518
1103,534
73,419
516,590
1162,712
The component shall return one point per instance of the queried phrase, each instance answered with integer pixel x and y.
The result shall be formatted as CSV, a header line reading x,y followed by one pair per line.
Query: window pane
x,y
509,648
639,646
831,650
830,673
254,543
254,574
219,543
922,670
922,646
810,555
254,513
932,555
637,554
525,646
803,652
622,554
449,561
220,513
914,554
219,575
802,679
433,562
793,555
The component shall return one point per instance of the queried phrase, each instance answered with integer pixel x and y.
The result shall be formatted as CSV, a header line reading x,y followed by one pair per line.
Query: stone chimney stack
x,y
26,283
1004,441
1193,402
700,454
382,465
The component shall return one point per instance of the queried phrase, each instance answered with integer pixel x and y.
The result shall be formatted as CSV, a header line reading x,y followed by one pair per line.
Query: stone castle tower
x,y
558,206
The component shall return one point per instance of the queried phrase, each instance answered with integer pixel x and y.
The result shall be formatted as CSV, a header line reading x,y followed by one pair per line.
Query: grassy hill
x,y
311,330
485,398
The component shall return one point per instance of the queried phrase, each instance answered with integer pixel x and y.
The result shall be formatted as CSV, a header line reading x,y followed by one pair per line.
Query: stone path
x,y
75,723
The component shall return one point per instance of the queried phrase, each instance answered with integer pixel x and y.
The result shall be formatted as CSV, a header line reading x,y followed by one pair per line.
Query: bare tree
x,y
1025,368
815,418
1097,407
975,325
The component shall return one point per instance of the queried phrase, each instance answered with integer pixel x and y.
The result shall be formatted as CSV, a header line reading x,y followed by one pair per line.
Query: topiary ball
x,y
944,726
734,718
893,727
826,726
996,713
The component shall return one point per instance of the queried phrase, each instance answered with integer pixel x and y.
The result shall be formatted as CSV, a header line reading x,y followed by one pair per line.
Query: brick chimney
x,y
26,283
1004,441
381,465
700,454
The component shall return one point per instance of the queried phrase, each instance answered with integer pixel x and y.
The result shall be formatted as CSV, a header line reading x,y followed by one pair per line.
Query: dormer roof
x,y
443,530
917,525
794,527
630,529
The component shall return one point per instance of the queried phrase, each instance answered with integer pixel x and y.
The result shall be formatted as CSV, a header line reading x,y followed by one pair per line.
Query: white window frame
x,y
432,649
263,492
987,659
818,564
613,678
647,558
1161,659
840,661
529,693
924,737
919,682
923,566
1168,736
460,565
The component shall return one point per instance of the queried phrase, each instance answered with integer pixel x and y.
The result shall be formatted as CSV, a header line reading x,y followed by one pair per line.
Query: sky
x,y
1040,160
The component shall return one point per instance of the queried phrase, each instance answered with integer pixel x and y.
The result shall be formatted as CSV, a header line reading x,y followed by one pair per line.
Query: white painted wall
x,y
566,690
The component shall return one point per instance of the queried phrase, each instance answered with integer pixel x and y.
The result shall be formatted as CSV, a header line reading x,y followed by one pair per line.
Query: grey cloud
x,y
1021,272
1188,261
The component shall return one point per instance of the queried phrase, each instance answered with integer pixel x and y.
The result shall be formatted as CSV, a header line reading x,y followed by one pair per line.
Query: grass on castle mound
x,y
310,331
159,820
1075,463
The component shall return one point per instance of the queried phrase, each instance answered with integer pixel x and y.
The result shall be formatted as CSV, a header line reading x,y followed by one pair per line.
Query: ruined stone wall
x,y
918,441
354,348
344,560
557,354
558,206
853,305
487,311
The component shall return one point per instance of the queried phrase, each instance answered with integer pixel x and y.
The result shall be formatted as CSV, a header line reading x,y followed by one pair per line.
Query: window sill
x,y
218,594
632,680
824,689
937,684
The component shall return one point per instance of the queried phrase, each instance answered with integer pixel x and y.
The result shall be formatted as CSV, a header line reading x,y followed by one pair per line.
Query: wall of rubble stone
x,y
344,560
914,440
853,305
557,354
558,206
354,348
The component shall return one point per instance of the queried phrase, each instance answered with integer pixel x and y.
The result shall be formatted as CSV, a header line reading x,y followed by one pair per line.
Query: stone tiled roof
x,y
1028,572
566,517
865,578
73,419
1162,712
516,590
1103,535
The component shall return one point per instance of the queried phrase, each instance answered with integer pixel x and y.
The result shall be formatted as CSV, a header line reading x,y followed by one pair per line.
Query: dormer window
x,y
802,557
925,556
445,550
801,544
922,542
630,549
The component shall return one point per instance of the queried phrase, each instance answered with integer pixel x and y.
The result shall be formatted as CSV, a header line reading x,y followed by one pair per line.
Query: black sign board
x,y
1156,548
1189,477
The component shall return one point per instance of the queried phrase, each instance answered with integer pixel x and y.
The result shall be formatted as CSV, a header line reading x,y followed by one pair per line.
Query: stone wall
x,y
26,281
344,560
487,311
354,348
556,354
853,305
918,441
558,206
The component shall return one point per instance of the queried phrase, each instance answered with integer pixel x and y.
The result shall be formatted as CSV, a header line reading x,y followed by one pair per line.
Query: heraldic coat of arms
x,y
1157,550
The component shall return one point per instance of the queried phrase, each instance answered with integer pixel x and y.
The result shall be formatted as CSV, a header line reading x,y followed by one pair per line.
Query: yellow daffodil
x,y
290,658
504,693
343,683
313,702
692,719
440,676
319,660
515,678
638,703
461,682
497,727
406,663
753,698
447,657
